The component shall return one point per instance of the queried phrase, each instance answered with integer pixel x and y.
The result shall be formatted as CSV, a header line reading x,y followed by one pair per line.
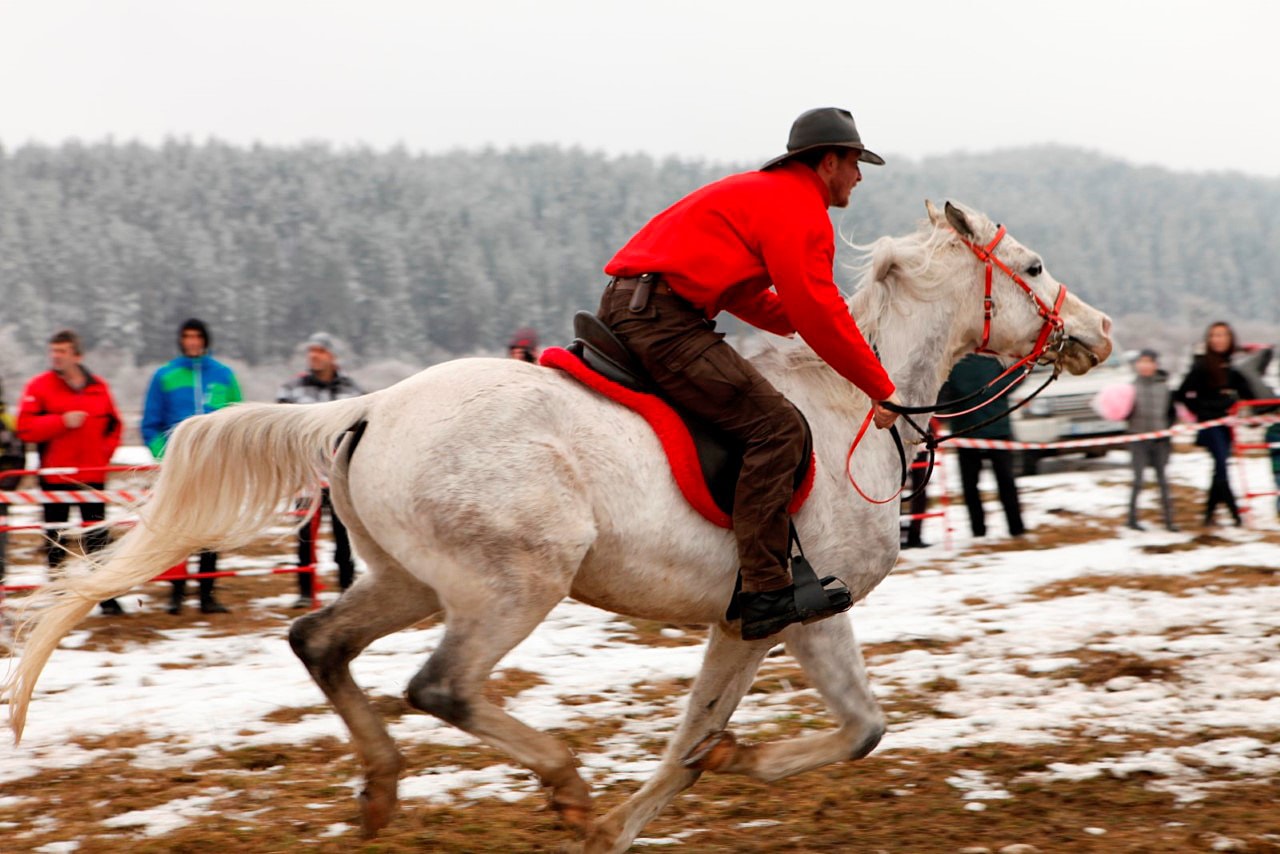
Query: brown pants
x,y
700,373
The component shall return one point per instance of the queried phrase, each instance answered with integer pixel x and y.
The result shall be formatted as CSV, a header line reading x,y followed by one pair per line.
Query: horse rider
x,y
760,246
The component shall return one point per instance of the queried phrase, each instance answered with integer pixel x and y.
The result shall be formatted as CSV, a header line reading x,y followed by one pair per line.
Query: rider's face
x,y
843,177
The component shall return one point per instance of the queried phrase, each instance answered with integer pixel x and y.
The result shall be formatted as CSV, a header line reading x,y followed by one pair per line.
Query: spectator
x,y
13,456
322,381
910,523
69,415
1209,390
1272,438
1152,411
193,384
524,345
970,374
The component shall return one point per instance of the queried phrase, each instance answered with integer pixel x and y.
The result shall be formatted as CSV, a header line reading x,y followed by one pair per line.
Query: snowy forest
x,y
424,257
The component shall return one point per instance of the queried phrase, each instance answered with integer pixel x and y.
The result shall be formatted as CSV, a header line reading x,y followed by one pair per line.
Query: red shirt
x,y
725,246
44,401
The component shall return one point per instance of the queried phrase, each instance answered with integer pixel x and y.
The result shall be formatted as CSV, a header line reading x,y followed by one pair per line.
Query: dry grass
x,y
278,798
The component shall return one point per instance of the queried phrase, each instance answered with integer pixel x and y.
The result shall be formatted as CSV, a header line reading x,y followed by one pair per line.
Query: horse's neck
x,y
915,342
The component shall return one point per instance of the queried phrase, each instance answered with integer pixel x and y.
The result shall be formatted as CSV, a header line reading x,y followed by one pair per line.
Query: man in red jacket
x,y
69,415
759,245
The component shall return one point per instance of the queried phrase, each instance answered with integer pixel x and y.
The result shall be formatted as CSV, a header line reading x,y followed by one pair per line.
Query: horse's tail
x,y
224,479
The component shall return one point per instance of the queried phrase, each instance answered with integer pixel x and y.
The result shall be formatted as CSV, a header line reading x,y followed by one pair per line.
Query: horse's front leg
x,y
830,657
728,669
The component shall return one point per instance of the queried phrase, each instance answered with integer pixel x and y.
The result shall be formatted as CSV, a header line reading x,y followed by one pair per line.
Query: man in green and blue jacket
x,y
193,384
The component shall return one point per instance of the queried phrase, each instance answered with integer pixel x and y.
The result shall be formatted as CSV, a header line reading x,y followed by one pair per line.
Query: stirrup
x,y
816,599
838,599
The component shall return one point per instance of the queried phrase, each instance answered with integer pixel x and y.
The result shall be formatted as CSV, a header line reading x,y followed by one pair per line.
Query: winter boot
x,y
176,596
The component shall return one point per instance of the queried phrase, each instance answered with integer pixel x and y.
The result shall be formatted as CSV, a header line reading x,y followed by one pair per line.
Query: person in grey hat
x,y
322,381
759,245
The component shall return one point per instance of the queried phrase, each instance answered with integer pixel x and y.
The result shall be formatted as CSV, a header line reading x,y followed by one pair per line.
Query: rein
x,y
1051,336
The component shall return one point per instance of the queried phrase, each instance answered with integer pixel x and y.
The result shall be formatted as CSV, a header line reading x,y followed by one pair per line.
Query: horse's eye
x,y
1035,270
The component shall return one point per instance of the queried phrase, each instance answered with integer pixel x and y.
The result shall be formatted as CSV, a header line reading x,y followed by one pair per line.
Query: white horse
x,y
490,490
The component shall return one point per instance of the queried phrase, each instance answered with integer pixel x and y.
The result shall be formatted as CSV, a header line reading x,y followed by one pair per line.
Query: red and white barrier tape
x,y
72,496
1128,438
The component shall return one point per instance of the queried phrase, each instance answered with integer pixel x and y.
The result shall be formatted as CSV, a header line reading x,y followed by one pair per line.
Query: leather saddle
x,y
719,455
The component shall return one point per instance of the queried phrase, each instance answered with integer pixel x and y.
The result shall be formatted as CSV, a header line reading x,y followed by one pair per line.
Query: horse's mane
x,y
893,270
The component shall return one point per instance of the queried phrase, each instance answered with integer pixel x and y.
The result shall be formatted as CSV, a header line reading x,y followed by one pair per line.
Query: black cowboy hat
x,y
823,127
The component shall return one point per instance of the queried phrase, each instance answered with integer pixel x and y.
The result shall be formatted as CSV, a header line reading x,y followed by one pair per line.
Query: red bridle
x,y
1053,325
1051,333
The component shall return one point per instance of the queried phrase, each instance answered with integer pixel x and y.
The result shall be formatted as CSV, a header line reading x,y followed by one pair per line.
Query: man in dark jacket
x,y
322,381
970,374
69,415
759,245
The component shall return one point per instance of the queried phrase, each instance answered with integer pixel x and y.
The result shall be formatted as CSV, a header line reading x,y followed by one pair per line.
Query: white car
x,y
1064,410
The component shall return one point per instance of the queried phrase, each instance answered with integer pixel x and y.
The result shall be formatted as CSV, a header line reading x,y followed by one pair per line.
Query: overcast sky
x,y
1185,85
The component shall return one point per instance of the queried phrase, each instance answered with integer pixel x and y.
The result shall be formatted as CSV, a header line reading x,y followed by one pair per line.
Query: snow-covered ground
x,y
998,638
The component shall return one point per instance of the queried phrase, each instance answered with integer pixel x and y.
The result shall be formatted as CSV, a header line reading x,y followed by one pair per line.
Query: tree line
x,y
428,256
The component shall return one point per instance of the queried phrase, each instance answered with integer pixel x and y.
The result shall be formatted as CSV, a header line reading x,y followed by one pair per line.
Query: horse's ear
x,y
935,216
959,222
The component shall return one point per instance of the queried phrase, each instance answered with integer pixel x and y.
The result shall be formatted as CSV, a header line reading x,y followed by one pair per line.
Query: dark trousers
x,y
4,541
1002,465
1153,453
57,514
341,548
1217,441
699,373
909,528
208,563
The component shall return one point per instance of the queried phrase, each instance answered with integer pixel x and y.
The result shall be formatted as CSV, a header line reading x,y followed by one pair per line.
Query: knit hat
x,y
198,325
324,341
1148,353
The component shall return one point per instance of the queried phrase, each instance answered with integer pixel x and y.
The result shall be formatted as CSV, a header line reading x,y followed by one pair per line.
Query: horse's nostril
x,y
1106,326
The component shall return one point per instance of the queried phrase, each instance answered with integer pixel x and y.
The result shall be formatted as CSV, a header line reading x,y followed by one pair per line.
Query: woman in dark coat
x,y
1209,390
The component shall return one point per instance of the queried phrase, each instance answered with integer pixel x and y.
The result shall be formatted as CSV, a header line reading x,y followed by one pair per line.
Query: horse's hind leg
x,y
728,669
829,656
451,684
384,600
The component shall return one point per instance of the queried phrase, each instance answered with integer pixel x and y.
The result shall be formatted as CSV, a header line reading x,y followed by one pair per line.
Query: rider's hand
x,y
74,418
885,417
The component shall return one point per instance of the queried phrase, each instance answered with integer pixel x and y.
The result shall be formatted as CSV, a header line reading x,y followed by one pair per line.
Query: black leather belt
x,y
654,281
645,285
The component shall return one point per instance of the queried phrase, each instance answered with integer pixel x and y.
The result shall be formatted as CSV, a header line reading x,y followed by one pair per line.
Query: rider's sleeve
x,y
762,310
799,251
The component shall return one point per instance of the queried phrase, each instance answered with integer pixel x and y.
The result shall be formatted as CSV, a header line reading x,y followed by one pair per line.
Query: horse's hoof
x,y
577,818
713,753
375,813
868,744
